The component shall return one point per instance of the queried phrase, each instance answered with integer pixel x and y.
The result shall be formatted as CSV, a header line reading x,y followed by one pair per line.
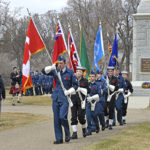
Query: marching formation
x,y
92,95
92,103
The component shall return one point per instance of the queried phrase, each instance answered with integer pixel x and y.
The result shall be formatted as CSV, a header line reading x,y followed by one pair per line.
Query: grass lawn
x,y
13,120
33,100
131,138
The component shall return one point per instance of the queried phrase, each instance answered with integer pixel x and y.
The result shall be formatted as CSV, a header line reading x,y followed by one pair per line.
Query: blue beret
x,y
61,58
93,73
99,72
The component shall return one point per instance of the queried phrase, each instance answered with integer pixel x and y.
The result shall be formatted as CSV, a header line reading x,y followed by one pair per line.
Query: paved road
x,y
41,136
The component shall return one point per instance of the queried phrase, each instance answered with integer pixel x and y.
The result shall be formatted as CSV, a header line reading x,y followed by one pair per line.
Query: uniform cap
x,y
61,58
93,73
80,68
110,68
124,72
99,72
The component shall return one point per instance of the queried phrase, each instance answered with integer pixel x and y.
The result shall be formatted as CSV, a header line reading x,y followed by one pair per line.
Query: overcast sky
x,y
37,6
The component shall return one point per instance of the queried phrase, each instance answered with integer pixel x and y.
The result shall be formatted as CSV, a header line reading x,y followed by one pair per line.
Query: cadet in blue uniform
x,y
112,85
103,89
50,84
79,101
42,82
91,103
60,102
119,98
31,93
128,92
36,82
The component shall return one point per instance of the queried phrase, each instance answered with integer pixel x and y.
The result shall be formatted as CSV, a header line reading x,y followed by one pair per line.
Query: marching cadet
x,y
103,89
60,96
128,92
119,97
112,85
91,104
79,101
15,85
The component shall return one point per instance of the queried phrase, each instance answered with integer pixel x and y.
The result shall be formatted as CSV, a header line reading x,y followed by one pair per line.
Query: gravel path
x,y
41,136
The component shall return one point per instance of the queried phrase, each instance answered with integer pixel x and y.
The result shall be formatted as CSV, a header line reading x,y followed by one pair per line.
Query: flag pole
x,y
69,52
59,77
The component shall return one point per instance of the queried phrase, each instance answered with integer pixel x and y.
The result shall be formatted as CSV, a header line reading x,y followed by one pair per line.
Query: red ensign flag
x,y
33,44
60,43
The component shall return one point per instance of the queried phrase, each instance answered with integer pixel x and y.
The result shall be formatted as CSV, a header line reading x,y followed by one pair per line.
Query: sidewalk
x,y
41,136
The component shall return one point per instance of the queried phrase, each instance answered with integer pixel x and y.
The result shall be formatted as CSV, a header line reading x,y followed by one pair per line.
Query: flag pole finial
x,y
116,29
68,25
29,12
79,23
57,16
100,23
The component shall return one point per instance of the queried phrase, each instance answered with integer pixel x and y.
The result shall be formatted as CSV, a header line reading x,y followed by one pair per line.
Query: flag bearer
x,y
128,92
119,97
59,96
79,101
103,90
112,85
91,104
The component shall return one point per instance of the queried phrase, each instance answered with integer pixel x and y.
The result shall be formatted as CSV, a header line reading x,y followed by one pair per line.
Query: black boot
x,y
74,135
121,123
110,127
97,130
58,142
124,121
67,138
103,128
106,123
88,133
84,132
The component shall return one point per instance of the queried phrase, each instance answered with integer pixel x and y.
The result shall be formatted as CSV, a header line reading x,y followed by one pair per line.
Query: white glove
x,y
120,90
70,91
127,95
95,97
89,98
50,68
82,90
111,87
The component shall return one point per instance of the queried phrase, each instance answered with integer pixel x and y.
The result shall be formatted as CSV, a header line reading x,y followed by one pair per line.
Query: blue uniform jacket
x,y
103,88
121,82
69,80
96,89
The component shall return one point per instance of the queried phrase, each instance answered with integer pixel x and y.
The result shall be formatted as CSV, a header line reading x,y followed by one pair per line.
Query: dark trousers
x,y
124,108
109,107
60,111
77,113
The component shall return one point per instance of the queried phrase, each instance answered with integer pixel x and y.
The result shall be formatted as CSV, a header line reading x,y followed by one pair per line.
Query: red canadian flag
x,y
33,44
74,60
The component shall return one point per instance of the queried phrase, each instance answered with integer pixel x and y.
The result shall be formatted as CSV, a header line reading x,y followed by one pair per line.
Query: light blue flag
x,y
113,61
98,49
